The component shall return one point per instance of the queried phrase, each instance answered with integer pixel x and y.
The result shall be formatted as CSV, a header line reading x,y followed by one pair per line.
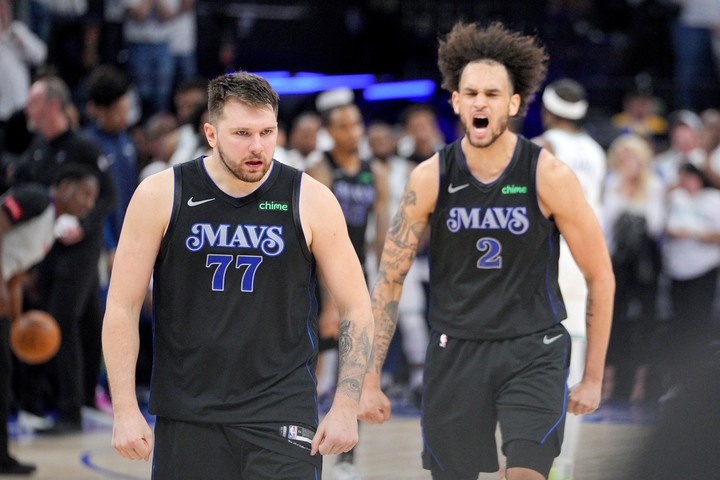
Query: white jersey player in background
x,y
564,105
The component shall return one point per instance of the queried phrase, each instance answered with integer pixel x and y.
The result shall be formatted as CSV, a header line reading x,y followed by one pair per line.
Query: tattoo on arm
x,y
344,340
354,347
402,231
399,253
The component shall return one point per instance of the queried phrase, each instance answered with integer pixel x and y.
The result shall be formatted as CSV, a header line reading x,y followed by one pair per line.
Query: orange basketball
x,y
34,337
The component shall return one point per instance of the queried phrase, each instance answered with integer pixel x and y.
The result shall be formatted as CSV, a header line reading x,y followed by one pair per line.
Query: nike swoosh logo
x,y
548,341
192,203
457,188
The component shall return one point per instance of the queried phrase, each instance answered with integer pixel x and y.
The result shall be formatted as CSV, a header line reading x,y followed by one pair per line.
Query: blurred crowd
x,y
115,84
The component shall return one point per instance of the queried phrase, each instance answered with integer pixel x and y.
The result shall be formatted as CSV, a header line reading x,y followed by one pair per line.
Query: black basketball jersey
x,y
493,253
235,316
356,195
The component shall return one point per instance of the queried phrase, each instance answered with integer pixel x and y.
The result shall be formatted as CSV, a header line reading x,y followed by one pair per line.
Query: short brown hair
x,y
523,56
246,88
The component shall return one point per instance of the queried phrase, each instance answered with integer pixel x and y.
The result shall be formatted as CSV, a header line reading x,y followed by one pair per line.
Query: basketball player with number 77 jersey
x,y
234,243
496,205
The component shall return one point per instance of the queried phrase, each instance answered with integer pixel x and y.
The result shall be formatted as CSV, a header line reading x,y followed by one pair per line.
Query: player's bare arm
x,y
146,219
406,229
562,198
326,234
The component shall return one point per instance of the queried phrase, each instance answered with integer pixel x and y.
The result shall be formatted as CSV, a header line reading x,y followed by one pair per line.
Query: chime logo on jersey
x,y
267,238
513,189
512,219
282,206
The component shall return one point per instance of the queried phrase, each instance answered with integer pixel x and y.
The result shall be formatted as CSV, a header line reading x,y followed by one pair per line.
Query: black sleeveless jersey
x,y
356,195
493,253
235,320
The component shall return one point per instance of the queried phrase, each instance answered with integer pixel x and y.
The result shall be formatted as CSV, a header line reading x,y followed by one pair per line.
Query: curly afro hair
x,y
523,56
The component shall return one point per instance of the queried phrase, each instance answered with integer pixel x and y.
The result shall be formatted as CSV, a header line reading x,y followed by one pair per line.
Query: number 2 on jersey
x,y
223,262
490,249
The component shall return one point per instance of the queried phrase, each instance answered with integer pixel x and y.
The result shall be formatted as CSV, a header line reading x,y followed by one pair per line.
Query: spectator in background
x,y
302,144
108,113
190,101
383,142
20,51
423,136
280,153
633,219
156,132
691,257
107,108
195,145
710,136
710,143
640,115
68,283
685,130
188,95
150,64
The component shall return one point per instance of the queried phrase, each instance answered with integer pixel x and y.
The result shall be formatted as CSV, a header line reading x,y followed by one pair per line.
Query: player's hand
x,y
338,431
584,397
132,437
375,406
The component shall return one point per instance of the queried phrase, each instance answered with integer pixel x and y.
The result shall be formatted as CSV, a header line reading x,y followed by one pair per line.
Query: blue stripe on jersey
x,y
565,400
312,305
548,279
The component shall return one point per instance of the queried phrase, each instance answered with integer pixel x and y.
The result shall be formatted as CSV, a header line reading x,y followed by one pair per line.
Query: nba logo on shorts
x,y
292,431
443,341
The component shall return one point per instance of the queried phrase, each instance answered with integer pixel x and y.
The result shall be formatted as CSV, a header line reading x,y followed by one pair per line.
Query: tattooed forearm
x,y
403,232
385,313
398,255
351,386
354,345
344,340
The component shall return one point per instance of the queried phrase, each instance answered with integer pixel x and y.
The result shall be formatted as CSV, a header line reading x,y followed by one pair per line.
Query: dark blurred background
x,y
610,46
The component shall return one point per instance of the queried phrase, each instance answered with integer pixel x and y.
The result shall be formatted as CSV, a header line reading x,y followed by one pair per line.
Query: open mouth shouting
x,y
480,122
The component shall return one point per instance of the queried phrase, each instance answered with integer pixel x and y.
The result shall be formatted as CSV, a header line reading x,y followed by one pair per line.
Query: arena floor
x,y
609,440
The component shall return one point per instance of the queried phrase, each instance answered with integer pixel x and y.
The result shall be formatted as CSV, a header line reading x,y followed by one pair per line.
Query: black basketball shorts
x,y
472,386
211,451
